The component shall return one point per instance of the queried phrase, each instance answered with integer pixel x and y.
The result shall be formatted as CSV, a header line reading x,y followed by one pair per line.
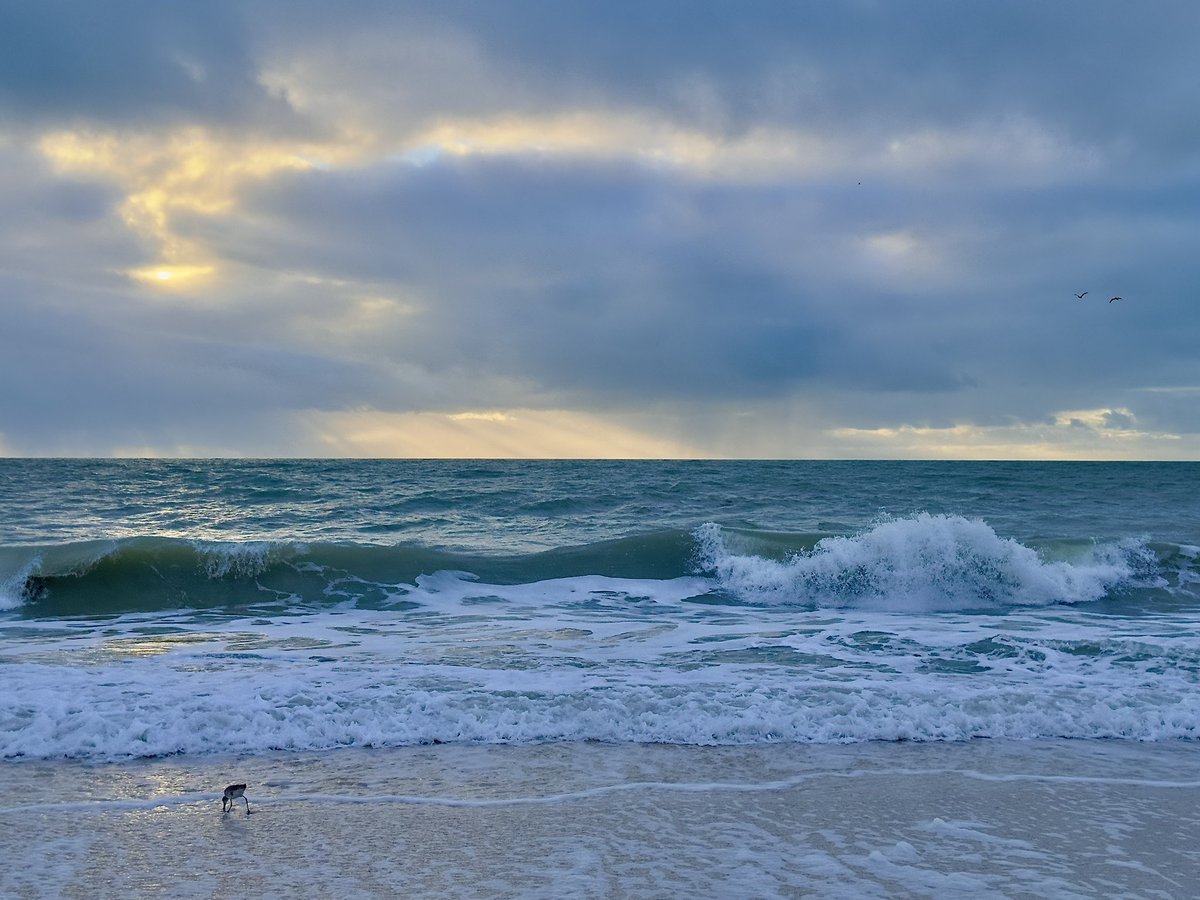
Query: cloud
x,y
53,226
597,279
862,70
163,174
92,375
134,64
586,269
759,228
1102,434
518,434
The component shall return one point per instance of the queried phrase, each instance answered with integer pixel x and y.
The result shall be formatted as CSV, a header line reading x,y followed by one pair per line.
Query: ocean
x,y
602,679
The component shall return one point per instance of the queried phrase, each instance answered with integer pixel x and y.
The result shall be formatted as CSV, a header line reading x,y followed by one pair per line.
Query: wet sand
x,y
980,819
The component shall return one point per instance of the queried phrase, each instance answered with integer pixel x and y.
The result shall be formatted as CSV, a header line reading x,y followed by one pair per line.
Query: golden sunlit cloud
x,y
170,276
314,83
497,434
760,154
1104,433
481,417
197,171
1112,421
188,170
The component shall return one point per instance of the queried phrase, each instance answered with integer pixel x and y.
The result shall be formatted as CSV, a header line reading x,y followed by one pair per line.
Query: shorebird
x,y
1081,296
231,795
1111,299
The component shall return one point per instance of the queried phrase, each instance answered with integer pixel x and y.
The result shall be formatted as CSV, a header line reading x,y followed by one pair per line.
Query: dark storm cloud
x,y
131,63
59,229
1114,75
109,372
586,277
615,278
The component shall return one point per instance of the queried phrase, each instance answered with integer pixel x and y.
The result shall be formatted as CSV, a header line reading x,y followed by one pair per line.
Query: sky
x,y
550,228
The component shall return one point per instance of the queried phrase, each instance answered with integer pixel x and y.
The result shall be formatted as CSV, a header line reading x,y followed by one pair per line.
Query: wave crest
x,y
921,563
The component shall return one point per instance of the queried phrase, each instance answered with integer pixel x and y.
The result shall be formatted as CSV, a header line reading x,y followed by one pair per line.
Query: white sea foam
x,y
161,712
924,563
12,582
18,564
505,666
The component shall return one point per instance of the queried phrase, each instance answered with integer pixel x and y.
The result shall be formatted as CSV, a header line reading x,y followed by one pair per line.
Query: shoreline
x,y
985,818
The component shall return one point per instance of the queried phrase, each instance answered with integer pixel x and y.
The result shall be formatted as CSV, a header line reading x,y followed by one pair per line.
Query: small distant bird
x,y
231,795
1111,299
1081,296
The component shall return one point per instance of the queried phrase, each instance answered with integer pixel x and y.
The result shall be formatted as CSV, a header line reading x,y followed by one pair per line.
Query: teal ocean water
x,y
166,608
599,679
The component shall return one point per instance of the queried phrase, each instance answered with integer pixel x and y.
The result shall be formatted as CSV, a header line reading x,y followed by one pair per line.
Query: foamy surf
x,y
533,604
923,563
589,659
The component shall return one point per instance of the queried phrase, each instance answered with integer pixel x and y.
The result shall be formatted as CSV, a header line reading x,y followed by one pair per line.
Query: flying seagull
x,y
1081,296
1111,299
231,796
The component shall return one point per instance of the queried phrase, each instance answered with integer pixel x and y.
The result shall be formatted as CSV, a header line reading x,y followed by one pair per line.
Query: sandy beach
x,y
1003,819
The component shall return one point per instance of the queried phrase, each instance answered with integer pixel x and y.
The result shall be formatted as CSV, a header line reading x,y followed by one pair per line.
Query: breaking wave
x,y
923,563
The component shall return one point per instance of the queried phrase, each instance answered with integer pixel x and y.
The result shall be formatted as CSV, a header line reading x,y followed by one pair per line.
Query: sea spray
x,y
922,563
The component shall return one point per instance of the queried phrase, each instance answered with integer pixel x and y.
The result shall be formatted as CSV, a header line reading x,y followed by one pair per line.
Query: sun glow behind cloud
x,y
761,154
187,170
171,276
510,433
1104,433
